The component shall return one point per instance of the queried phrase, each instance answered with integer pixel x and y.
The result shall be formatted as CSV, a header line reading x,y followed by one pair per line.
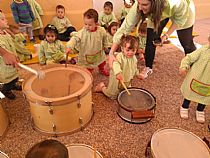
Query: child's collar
x,y
94,29
18,1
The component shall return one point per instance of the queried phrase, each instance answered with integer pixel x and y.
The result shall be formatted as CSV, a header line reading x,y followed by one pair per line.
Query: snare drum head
x,y
3,155
139,100
82,151
178,143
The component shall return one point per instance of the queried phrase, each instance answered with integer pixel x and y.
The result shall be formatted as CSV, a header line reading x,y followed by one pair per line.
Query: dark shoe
x,y
32,40
41,37
17,87
9,95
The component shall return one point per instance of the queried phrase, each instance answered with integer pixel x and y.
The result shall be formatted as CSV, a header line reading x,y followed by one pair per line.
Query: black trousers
x,y
185,38
186,104
9,86
66,35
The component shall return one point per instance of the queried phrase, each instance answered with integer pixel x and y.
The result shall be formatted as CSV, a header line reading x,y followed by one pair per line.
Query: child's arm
x,y
30,10
41,54
14,12
68,23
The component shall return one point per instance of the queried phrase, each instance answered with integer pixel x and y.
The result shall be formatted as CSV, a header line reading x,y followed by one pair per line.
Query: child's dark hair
x,y
50,28
91,14
108,4
134,41
60,7
142,27
111,25
48,149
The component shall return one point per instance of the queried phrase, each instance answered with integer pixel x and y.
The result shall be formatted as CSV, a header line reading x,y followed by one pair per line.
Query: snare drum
x,y
139,107
177,143
82,151
3,155
61,102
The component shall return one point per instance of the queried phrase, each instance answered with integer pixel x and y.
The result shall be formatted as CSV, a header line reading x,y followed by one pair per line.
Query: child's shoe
x,y
17,87
200,116
32,40
145,72
8,94
184,113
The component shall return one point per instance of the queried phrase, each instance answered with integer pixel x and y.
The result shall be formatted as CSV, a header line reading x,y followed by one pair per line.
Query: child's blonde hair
x,y
142,27
134,41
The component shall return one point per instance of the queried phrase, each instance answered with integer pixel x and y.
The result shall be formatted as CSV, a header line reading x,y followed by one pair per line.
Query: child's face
x,y
90,24
3,22
60,13
114,30
129,53
50,37
128,5
107,10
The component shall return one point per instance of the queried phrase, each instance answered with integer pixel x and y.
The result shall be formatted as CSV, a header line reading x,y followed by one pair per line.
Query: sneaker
x,y
17,87
200,116
184,113
146,71
104,72
9,94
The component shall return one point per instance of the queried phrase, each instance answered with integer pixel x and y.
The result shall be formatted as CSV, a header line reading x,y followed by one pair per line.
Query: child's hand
x,y
182,71
119,77
68,51
111,60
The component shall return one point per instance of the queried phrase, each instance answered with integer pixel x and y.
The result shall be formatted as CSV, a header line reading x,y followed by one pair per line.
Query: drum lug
x,y
81,123
50,107
54,128
79,103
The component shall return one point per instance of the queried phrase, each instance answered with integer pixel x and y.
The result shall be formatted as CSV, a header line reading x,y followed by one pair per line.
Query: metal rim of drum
x,y
178,129
85,145
120,105
3,154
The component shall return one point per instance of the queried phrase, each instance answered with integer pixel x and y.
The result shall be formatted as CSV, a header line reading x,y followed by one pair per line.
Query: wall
x,y
74,11
202,9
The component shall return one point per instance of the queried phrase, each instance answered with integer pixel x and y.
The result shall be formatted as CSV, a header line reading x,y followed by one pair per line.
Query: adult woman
x,y
158,12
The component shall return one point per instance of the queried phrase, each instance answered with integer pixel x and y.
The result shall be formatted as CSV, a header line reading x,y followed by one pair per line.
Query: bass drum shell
x,y
61,102
177,143
131,108
4,122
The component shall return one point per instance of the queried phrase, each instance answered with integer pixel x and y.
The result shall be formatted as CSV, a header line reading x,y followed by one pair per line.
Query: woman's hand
x,y
182,71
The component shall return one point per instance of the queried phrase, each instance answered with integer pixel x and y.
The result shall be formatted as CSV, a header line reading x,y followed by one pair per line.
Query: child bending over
x,y
124,68
90,42
48,149
107,15
8,74
63,24
51,49
196,85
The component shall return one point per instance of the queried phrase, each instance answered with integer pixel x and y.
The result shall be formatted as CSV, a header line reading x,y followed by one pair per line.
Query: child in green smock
x,y
51,49
90,41
8,74
124,68
196,85
125,10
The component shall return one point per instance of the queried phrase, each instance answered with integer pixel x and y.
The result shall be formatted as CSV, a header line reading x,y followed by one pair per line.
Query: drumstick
x,y
124,86
94,152
40,74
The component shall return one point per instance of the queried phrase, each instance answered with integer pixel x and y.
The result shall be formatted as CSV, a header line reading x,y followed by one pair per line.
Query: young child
x,y
124,68
22,52
51,49
63,24
8,74
196,86
107,15
38,13
126,8
111,30
48,149
23,16
90,42
142,35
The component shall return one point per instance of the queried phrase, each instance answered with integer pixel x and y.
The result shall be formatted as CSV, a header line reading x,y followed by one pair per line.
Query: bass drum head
x,y
3,155
82,151
177,143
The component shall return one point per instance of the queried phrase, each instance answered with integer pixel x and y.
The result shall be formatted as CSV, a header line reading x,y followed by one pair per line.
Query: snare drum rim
x,y
34,97
133,110
179,129
85,145
4,154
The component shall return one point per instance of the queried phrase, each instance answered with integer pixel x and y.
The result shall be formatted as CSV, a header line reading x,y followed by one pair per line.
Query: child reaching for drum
x,y
90,41
124,68
196,85
51,49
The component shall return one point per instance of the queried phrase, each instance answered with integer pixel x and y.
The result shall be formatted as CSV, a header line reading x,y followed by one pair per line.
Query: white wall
x,y
117,5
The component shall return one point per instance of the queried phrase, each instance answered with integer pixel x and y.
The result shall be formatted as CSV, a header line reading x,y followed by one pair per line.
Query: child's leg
x,y
102,69
6,89
184,109
30,33
200,115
